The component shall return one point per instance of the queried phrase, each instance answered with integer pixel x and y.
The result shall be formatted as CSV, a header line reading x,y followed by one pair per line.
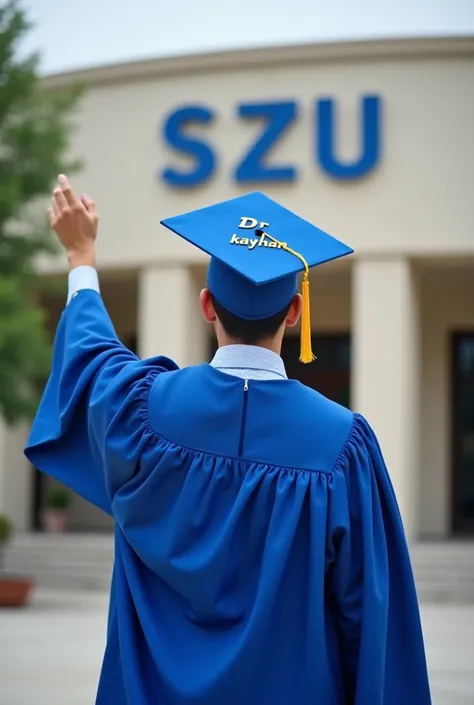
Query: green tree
x,y
35,127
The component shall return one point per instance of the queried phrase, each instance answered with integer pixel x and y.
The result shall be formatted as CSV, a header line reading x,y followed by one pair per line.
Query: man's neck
x,y
235,357
273,346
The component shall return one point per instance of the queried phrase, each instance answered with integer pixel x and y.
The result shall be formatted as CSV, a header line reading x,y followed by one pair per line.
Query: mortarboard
x,y
257,249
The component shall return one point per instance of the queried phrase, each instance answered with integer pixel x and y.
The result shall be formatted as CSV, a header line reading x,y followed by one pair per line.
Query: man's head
x,y
257,249
243,312
266,332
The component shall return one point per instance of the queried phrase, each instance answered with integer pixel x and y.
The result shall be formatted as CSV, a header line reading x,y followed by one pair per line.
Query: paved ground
x,y
50,653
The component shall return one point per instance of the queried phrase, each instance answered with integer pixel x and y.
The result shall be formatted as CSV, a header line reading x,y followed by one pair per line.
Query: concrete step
x,y
63,561
444,571
67,581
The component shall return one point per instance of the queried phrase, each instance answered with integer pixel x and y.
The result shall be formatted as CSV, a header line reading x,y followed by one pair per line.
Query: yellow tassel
x,y
306,352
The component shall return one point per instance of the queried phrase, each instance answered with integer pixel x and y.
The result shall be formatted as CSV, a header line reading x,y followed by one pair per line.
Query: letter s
x,y
173,133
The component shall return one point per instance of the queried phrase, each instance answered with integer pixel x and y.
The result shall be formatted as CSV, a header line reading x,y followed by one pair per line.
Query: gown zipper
x,y
244,418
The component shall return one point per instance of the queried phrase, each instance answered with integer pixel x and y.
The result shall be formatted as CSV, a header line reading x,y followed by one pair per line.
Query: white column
x,y
169,317
385,374
15,476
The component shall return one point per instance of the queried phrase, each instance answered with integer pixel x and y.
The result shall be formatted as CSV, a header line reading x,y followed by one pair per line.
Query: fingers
x,y
55,208
67,191
59,199
65,206
64,197
54,212
89,205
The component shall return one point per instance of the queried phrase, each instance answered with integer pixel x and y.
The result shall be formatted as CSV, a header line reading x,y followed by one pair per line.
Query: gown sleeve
x,y
371,582
92,421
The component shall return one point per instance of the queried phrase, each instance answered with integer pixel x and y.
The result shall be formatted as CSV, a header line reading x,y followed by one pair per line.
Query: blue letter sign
x,y
279,117
173,133
370,137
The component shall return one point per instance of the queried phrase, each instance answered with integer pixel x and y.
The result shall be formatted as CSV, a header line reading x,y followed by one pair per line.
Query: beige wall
x,y
427,151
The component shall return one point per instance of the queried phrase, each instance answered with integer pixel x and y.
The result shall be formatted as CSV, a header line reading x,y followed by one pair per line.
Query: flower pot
x,y
55,521
14,591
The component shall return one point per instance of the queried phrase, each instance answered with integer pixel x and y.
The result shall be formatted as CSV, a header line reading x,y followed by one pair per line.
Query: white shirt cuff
x,y
82,278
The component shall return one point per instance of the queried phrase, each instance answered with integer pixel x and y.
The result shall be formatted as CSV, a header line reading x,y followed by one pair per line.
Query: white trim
x,y
434,47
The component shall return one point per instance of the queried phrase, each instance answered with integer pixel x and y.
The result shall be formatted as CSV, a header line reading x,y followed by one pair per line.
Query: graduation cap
x,y
257,249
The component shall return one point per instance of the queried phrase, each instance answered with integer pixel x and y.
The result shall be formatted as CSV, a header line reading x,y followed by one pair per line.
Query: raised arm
x,y
91,425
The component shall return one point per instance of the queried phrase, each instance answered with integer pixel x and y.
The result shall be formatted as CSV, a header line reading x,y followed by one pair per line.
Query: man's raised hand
x,y
75,221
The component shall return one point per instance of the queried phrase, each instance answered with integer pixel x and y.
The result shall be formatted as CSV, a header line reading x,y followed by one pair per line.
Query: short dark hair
x,y
249,332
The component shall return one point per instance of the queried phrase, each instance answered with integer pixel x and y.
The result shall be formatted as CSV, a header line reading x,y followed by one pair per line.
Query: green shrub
x,y
6,530
58,498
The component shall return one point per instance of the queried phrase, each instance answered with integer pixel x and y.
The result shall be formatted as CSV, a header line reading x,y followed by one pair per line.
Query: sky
x,y
72,35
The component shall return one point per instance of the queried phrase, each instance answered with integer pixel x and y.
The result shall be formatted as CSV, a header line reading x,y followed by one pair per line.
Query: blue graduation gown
x,y
260,557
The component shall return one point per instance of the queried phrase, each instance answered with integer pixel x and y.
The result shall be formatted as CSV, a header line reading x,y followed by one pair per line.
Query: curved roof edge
x,y
434,47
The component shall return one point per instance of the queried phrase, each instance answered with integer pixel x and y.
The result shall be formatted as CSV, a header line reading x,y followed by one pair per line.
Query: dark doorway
x,y
38,497
329,374
463,433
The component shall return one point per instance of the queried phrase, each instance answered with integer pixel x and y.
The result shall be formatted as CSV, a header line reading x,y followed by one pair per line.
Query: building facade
x,y
372,142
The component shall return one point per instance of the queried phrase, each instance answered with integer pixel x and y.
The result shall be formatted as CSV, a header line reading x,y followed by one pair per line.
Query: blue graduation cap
x,y
257,249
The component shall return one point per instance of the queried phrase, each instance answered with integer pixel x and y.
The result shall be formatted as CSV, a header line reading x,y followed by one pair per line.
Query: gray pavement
x,y
50,653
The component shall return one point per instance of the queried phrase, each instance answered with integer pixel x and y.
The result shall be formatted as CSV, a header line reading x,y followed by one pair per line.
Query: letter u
x,y
370,137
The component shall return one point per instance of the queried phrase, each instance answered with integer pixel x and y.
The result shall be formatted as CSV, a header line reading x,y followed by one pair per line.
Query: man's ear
x,y
294,312
207,307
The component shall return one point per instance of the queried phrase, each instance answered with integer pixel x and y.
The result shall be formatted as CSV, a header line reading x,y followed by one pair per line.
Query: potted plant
x,y
56,510
14,590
